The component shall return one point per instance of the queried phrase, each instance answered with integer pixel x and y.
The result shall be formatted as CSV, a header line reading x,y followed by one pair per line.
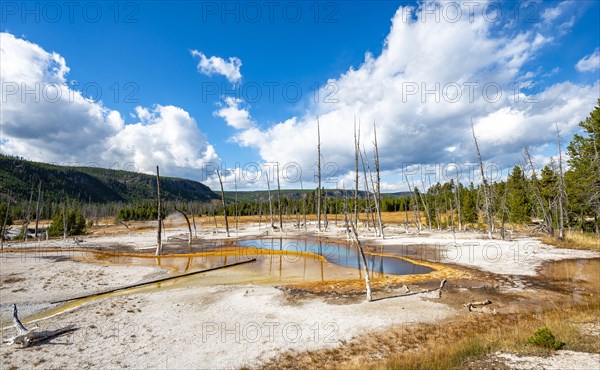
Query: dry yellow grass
x,y
459,343
575,240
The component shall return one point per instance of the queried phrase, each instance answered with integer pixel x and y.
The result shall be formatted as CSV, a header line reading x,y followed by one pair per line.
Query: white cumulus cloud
x,y
216,65
54,123
233,114
589,63
422,91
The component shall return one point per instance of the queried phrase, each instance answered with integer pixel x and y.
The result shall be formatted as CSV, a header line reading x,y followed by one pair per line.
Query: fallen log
x,y
154,281
472,305
28,337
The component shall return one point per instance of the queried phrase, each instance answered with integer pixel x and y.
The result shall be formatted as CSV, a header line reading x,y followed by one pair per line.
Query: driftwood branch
x,y
472,305
28,337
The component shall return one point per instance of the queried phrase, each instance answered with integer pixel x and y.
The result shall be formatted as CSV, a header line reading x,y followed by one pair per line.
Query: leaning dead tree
x,y
318,175
364,262
189,225
159,208
488,208
223,202
28,337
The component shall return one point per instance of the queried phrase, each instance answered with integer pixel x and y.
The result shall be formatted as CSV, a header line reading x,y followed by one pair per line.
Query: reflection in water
x,y
341,255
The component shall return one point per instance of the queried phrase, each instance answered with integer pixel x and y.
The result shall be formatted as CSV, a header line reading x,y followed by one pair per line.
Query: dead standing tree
x,y
356,152
378,226
223,203
367,193
27,216
537,193
37,210
279,200
488,209
5,221
270,201
377,183
561,189
318,175
159,217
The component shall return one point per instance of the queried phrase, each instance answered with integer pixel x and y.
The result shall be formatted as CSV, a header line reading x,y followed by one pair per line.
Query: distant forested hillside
x,y
92,184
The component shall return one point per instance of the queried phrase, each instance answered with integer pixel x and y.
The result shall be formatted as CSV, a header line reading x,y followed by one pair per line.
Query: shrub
x,y
544,338
75,223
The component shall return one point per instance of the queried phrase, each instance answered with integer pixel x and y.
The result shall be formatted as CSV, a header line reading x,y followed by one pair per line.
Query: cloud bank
x,y
44,119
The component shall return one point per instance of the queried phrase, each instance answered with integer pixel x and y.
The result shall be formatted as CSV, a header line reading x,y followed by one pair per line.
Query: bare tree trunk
x,y
458,201
406,210
318,175
3,230
159,208
303,204
429,224
28,215
452,218
236,204
187,220
377,226
223,202
488,211
537,193
37,210
325,206
378,183
364,263
413,191
561,189
259,212
502,229
367,193
194,221
270,202
279,200
214,214
65,219
346,226
356,151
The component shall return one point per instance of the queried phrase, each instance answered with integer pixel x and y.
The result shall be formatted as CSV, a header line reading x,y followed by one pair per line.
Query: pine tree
x,y
519,204
469,204
583,178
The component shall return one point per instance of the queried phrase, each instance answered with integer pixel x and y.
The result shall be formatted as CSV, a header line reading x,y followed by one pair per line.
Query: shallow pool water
x,y
340,254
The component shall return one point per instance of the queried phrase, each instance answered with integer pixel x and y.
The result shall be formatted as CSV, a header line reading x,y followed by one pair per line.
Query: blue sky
x,y
139,56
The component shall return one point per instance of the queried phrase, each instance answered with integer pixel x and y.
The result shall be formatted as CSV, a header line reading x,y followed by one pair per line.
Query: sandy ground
x,y
223,326
558,361
212,327
32,280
